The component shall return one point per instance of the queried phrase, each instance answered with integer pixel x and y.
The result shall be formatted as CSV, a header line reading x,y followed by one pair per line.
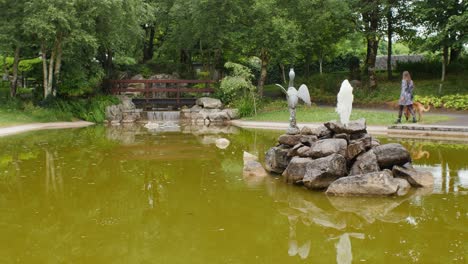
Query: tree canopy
x,y
82,42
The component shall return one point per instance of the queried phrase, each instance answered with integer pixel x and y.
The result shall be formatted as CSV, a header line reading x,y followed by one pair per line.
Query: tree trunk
x,y
108,63
58,65
50,79
148,49
371,19
283,73
445,58
263,72
372,45
321,65
44,69
14,80
389,44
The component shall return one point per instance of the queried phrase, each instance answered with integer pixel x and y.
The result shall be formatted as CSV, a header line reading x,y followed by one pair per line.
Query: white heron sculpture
x,y
345,99
293,97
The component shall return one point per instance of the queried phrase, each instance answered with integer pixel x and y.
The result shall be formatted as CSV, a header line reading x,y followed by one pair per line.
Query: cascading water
x,y
163,116
163,120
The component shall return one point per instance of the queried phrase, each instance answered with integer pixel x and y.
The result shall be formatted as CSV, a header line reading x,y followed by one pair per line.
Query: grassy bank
x,y
323,89
278,112
16,111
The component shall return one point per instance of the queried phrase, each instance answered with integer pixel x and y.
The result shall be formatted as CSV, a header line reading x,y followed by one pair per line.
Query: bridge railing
x,y
162,93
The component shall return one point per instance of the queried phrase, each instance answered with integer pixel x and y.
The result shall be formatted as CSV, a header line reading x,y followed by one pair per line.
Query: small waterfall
x,y
163,116
163,121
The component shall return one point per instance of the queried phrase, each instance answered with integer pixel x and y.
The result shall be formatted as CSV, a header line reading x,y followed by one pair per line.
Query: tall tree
x,y
11,38
445,28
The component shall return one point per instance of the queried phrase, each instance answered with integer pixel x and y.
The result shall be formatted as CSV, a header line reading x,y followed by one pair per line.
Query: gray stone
x,y
196,109
416,178
276,159
303,151
293,151
320,173
308,140
391,154
233,113
365,163
218,117
375,183
403,186
326,147
343,136
114,113
210,103
375,142
296,169
322,132
359,146
353,127
306,131
290,140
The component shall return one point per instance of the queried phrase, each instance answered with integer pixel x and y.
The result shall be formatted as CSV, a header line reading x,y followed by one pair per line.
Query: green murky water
x,y
100,195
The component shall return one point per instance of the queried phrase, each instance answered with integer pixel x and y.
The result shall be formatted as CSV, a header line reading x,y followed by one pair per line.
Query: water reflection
x,y
123,195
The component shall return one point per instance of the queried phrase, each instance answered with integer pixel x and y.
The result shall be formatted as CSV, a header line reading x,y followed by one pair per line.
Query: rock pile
x,y
344,160
207,111
125,112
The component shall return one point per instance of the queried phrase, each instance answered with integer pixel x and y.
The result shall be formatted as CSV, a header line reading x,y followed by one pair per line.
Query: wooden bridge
x,y
159,94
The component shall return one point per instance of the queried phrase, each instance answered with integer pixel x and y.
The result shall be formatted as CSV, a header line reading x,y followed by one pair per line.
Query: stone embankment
x,y
344,160
208,111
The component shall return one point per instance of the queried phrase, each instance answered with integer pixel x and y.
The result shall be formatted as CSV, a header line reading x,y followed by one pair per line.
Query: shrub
x,y
454,101
237,83
89,109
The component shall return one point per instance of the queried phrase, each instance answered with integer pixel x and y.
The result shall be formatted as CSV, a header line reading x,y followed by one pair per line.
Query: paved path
x,y
5,131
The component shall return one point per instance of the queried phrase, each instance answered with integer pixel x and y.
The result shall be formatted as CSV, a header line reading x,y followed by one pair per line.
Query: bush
x,y
432,67
454,101
237,83
89,109
247,105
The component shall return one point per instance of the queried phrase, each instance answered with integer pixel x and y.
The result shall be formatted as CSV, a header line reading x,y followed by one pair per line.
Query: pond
x,y
126,195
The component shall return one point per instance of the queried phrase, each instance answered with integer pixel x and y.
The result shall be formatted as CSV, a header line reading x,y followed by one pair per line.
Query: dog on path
x,y
419,109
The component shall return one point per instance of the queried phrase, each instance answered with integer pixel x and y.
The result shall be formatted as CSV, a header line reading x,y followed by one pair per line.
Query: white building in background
x,y
381,61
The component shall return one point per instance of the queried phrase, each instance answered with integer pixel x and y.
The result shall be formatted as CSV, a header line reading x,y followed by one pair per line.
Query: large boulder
x,y
296,169
233,113
365,163
359,146
210,103
218,117
290,140
276,159
114,113
320,173
326,147
416,178
353,127
391,154
375,183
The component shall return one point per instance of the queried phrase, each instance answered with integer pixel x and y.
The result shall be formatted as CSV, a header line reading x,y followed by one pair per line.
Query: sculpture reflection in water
x,y
335,213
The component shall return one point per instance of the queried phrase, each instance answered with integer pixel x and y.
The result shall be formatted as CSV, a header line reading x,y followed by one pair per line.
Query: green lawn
x,y
323,114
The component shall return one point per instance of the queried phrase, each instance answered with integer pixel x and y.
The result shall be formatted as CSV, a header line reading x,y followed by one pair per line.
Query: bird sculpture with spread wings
x,y
293,97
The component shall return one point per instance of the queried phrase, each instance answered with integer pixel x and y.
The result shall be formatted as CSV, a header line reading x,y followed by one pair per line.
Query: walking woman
x,y
406,96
